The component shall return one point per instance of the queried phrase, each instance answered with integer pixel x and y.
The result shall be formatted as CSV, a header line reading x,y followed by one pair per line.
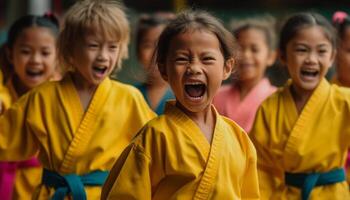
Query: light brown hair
x,y
104,17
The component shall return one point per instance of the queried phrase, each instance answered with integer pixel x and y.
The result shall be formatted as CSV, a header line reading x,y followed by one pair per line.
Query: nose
x,y
193,68
35,58
103,54
311,58
245,53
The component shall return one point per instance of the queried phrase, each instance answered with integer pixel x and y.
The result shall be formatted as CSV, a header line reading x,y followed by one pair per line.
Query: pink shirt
x,y
228,102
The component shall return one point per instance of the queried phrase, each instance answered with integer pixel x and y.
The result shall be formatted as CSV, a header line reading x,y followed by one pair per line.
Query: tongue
x,y
195,91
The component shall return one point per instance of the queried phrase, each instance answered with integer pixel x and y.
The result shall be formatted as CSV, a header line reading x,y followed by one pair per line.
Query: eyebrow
x,y
303,44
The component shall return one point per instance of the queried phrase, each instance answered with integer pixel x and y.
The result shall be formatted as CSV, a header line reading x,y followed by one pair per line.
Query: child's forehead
x,y
94,33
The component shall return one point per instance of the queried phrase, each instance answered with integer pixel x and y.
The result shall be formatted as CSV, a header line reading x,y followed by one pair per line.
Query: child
x,y
30,60
240,100
190,152
301,132
341,22
82,123
156,91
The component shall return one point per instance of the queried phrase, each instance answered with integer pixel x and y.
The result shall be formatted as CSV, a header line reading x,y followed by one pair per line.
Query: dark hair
x,y
148,21
47,21
341,25
303,20
194,20
265,23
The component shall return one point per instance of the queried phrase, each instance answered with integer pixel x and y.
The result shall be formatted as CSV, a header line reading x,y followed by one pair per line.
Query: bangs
x,y
105,26
105,19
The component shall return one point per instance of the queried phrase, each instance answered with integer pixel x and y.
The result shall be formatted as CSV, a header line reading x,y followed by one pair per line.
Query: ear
x,y
334,53
162,71
271,59
282,57
9,55
228,67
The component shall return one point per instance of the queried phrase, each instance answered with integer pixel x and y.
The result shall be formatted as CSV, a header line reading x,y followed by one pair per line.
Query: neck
x,y
81,84
20,88
205,120
246,86
300,97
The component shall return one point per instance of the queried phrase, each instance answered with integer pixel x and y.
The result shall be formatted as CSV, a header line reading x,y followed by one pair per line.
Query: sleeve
x,y
269,174
250,186
17,141
129,177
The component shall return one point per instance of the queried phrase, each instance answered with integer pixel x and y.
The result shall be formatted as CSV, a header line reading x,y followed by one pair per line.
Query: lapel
x,y
84,123
205,186
300,130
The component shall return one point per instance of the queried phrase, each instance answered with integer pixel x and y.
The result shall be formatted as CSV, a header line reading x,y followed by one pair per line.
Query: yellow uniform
x,y
6,95
27,175
171,159
337,82
316,140
51,119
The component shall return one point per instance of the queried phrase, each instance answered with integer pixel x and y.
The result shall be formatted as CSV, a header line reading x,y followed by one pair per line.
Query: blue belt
x,y
307,181
72,183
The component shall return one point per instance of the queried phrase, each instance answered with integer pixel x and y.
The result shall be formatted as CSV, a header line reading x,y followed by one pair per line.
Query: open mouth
x,y
309,73
99,69
34,72
195,90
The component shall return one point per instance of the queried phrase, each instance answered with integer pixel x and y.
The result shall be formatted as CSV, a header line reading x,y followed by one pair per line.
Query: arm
x,y
16,138
129,177
269,174
250,186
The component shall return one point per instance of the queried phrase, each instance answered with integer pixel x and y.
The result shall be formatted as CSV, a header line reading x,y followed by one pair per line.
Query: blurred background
x,y
224,9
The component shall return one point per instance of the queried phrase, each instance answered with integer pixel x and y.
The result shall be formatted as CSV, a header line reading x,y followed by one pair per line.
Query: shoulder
x,y
125,92
155,135
238,132
340,95
273,99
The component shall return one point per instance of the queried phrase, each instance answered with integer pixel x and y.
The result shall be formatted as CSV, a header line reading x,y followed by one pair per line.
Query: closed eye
x,y
181,60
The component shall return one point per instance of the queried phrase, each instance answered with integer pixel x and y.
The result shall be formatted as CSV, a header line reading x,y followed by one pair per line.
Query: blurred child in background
x,y
29,59
82,123
189,152
302,132
240,100
155,90
341,21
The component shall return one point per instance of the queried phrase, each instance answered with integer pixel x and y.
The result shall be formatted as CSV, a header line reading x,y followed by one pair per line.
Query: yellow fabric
x,y
171,159
51,119
6,96
314,141
337,82
26,179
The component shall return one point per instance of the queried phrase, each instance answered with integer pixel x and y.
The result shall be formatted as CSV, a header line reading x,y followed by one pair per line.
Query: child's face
x,y
148,44
96,58
195,68
343,56
255,55
308,56
147,47
34,56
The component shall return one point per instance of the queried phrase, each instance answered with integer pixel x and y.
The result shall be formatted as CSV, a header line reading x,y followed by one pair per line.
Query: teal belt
x,y
307,181
72,183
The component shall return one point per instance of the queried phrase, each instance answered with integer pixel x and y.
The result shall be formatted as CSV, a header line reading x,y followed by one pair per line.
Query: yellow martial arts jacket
x,y
171,159
337,82
26,178
5,95
51,119
316,140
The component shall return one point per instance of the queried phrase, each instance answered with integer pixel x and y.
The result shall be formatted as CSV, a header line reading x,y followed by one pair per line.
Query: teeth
x,y
194,83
